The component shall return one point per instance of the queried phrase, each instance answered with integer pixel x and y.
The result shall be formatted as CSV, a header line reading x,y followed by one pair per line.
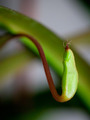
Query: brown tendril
x,y
53,90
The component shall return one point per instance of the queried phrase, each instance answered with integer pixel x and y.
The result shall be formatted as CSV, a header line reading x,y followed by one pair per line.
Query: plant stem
x,y
53,90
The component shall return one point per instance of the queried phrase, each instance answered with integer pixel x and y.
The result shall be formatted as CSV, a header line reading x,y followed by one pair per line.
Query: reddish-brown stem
x,y
53,90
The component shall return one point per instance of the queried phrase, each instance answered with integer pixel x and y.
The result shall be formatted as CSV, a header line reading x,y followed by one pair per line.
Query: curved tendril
x,y
56,96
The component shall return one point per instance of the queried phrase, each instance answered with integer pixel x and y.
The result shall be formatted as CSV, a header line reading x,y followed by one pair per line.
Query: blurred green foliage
x,y
52,45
